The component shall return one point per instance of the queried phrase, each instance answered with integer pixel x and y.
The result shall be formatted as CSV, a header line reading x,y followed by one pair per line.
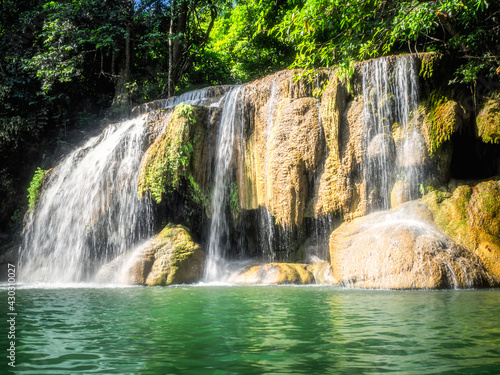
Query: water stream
x,y
218,242
88,211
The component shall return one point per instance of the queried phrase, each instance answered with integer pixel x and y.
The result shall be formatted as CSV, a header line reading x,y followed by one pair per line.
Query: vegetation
x,y
35,188
168,159
65,63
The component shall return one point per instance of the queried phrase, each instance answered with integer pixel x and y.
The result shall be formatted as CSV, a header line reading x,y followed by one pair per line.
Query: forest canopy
x,y
64,64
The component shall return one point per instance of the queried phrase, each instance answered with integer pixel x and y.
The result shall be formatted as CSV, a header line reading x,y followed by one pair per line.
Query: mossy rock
x,y
471,217
175,154
170,258
276,273
177,259
444,118
488,122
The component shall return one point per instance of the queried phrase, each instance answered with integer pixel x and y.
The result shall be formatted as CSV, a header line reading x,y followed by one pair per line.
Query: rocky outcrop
x,y
341,186
470,215
488,121
283,146
178,152
170,258
402,250
286,273
276,273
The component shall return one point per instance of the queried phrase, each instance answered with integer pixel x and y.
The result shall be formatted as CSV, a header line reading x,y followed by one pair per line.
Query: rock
x,y
470,215
488,121
277,273
177,259
342,187
442,120
382,146
176,153
322,272
396,251
399,193
283,146
170,258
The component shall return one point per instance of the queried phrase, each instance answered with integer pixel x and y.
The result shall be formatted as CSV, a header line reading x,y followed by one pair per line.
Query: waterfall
x,y
88,212
390,95
218,242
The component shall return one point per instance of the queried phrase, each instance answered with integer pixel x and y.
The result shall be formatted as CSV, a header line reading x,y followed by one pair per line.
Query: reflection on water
x,y
255,330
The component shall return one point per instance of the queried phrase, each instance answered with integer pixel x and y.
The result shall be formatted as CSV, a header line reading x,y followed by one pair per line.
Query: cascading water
x,y
390,95
88,212
218,242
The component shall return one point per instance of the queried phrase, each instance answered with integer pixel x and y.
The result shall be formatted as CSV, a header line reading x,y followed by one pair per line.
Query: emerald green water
x,y
254,330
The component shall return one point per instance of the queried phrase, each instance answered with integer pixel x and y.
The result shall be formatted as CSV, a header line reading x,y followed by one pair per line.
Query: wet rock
x,y
396,251
470,215
322,272
170,258
277,273
399,193
382,146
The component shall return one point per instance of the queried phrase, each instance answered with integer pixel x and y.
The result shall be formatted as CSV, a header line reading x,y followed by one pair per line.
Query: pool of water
x,y
253,330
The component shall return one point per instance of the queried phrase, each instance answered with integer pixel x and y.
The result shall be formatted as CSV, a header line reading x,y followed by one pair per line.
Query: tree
x,y
191,22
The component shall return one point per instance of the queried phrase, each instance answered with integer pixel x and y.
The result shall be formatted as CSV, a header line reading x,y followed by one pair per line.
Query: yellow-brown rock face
x,y
276,273
471,216
282,149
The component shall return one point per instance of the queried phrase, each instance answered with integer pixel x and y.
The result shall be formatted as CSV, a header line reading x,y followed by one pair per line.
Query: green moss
x,y
443,120
488,121
168,159
429,62
234,201
35,187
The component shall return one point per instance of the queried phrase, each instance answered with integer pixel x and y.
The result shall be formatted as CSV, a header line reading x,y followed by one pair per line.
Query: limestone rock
x,y
322,272
488,121
177,259
399,193
471,216
341,186
277,273
170,258
176,153
282,146
396,251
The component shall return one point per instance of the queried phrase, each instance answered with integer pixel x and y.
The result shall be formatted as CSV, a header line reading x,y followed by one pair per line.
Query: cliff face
x,y
291,168
313,150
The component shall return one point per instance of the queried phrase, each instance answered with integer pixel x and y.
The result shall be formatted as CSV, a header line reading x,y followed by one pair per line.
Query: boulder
x,y
276,273
322,272
170,258
401,249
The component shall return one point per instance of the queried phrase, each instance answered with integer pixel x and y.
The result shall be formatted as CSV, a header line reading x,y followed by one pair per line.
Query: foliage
x,y
167,161
333,32
242,52
234,200
35,187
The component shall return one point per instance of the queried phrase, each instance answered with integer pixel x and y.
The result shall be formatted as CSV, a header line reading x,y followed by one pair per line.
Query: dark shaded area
x,y
473,159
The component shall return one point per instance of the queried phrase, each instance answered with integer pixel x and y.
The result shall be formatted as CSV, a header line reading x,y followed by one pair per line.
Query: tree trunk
x,y
178,22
